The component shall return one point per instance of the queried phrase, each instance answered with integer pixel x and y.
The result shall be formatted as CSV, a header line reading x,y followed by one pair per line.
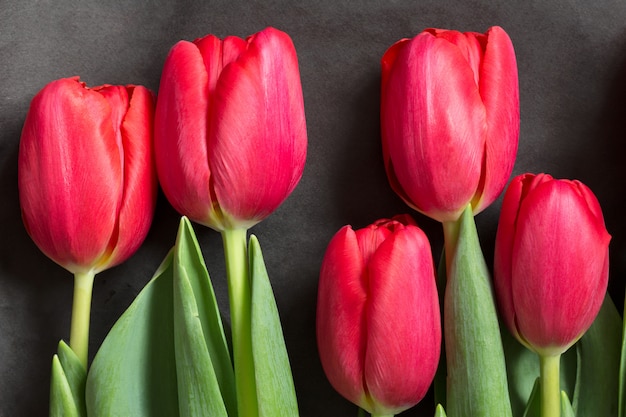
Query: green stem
x,y
450,237
550,385
240,297
81,310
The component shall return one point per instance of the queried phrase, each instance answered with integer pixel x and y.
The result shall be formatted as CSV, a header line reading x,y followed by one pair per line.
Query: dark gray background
x,y
572,67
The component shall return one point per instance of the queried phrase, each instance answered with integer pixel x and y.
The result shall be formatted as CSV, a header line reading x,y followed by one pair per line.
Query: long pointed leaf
x,y
597,382
533,405
133,373
198,390
477,382
61,399
439,411
275,390
67,391
195,330
566,406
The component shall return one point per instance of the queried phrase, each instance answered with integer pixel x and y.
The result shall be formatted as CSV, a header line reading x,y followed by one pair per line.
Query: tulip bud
x,y
230,136
551,261
378,320
450,119
86,177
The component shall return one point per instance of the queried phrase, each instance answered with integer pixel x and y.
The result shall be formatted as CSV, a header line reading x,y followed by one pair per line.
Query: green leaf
x,y
133,373
439,411
533,405
275,390
477,381
203,365
61,399
566,406
533,408
167,355
523,370
597,380
67,388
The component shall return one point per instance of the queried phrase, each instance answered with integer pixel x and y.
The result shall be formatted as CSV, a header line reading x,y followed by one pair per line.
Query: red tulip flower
x,y
230,128
450,119
230,146
87,181
378,320
86,177
551,261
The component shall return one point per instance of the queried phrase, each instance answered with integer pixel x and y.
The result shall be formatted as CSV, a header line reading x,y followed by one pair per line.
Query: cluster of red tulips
x,y
226,140
450,127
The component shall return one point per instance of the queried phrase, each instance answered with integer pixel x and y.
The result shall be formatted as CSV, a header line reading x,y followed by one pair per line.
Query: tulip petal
x,y
552,298
370,238
340,316
388,61
140,182
469,45
505,237
180,136
69,149
257,136
403,322
217,54
500,94
433,108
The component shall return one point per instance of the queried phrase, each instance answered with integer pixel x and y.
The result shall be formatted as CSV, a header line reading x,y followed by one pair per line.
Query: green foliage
x,y
167,355
134,371
67,388
275,390
476,369
589,370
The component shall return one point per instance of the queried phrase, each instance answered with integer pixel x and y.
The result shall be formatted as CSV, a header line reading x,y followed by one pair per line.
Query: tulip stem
x,y
81,310
240,298
450,237
550,385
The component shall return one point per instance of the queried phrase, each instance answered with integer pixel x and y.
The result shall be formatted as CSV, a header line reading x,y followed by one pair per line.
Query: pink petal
x,y
217,54
180,136
140,182
559,266
468,44
257,138
70,173
403,322
500,94
340,315
505,237
432,108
